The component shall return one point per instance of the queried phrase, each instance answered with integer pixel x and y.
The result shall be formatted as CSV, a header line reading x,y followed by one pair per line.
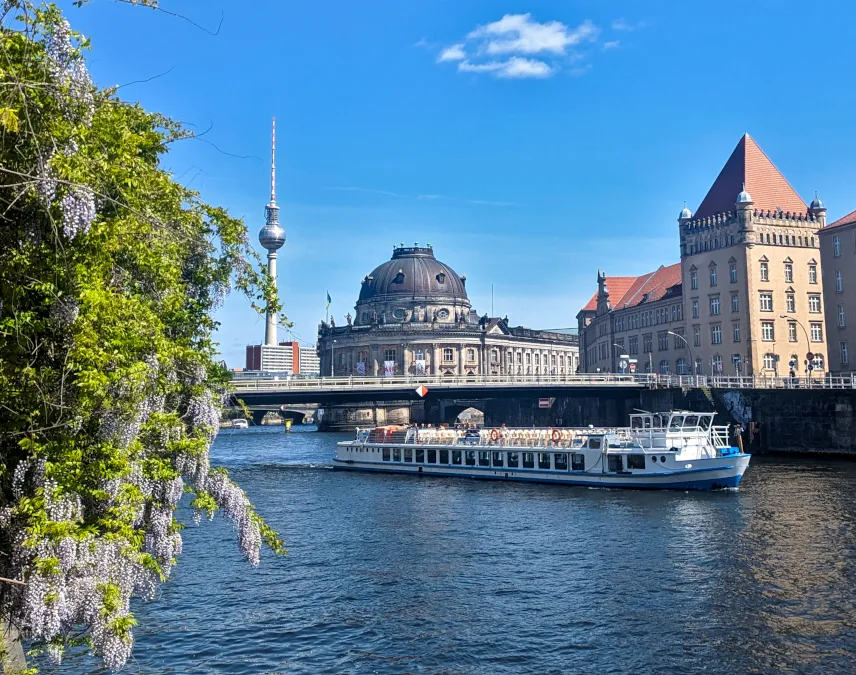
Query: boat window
x,y
706,421
497,458
654,458
513,460
432,456
471,457
594,443
561,461
662,458
396,454
677,421
578,443
420,456
456,456
691,422
444,456
635,422
408,455
528,460
484,458
635,461
386,454
615,463
578,462
646,422
543,460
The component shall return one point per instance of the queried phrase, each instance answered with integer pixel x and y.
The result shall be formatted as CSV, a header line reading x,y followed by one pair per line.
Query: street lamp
x,y
689,349
621,347
807,339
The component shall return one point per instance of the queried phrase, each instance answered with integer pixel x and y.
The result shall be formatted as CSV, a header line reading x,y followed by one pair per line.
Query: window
x,y
836,245
818,362
635,461
470,457
693,280
769,361
681,367
615,463
664,367
716,364
698,366
812,274
791,302
765,272
716,334
735,302
792,331
471,354
647,343
420,456
662,341
633,343
695,309
432,456
816,331
735,331
499,459
789,273
732,272
444,456
484,458
456,456
513,460
396,454
561,461
842,347
768,332
543,460
386,454
448,354
578,462
697,336
408,455
766,302
680,341
841,322
839,282
714,305
528,460
713,276
389,355
814,304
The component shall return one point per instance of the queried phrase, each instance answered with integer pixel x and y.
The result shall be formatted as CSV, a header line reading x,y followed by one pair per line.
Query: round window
x,y
442,313
398,313
663,458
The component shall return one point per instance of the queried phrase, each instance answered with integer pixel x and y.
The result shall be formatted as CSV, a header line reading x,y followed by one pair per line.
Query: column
x,y
461,359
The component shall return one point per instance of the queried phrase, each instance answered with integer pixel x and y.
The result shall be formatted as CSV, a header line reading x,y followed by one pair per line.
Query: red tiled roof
x,y
749,166
849,219
631,291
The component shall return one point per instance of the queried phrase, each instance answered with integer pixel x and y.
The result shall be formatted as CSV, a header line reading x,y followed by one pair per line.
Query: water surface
x,y
405,574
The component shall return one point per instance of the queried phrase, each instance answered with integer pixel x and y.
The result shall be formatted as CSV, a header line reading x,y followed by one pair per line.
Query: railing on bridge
x,y
534,381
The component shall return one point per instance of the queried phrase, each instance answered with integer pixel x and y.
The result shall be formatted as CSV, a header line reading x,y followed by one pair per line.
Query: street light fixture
x,y
807,339
621,347
689,349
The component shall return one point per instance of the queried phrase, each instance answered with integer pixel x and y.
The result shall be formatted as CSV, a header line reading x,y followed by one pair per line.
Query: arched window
x,y
698,367
647,366
769,361
716,364
681,367
818,362
664,367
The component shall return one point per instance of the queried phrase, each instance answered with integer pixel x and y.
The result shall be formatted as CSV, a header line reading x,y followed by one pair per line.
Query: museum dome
x,y
412,278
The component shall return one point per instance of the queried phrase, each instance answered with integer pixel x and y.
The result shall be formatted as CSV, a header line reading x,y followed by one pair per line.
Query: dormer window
x,y
399,278
441,278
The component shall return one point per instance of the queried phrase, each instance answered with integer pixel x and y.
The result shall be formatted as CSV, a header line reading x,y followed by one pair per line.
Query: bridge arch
x,y
455,413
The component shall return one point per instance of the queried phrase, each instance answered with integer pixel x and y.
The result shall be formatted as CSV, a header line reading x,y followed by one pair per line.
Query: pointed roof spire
x,y
273,163
749,170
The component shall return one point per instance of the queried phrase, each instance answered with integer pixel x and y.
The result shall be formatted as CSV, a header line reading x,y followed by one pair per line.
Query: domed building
x,y
413,316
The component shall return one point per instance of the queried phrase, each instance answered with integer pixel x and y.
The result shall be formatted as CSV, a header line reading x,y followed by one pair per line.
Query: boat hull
x,y
711,474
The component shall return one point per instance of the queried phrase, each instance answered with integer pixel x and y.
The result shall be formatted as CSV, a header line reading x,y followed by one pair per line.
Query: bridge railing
x,y
398,382
753,382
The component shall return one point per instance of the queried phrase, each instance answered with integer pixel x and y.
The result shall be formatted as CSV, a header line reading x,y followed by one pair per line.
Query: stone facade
x,y
414,317
838,258
751,281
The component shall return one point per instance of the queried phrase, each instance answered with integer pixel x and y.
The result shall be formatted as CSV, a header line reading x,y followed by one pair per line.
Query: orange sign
x,y
422,390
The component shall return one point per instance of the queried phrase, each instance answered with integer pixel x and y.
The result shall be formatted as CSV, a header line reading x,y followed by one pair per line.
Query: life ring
x,y
556,435
494,435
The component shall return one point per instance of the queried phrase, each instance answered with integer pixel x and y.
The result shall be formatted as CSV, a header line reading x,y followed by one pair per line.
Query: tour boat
x,y
674,450
240,423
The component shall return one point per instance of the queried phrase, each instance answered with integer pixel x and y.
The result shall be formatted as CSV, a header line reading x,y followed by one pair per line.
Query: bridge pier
x,y
348,416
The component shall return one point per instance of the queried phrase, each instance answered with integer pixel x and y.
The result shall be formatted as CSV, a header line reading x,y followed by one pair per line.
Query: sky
x,y
530,142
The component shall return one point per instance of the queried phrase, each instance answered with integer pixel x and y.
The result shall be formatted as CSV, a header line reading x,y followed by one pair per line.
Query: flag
x,y
328,299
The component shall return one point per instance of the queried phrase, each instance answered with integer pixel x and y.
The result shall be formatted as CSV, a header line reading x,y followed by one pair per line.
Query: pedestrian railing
x,y
606,380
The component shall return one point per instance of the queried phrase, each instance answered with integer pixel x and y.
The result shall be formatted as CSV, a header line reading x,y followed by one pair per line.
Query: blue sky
x,y
529,150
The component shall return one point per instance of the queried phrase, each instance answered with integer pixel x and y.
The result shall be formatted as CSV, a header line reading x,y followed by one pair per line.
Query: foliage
x,y
109,383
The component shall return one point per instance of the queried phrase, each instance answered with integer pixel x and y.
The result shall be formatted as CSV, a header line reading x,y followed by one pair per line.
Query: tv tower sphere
x,y
272,236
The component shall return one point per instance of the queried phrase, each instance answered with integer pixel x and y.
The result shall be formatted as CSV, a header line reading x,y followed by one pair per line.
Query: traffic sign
x,y
792,363
810,356
545,402
633,366
422,390
622,364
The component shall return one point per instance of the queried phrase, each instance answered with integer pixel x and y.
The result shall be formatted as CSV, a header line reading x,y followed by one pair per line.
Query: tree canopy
x,y
110,386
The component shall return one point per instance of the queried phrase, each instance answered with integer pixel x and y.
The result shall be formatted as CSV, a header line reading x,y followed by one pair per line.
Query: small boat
x,y
240,423
679,450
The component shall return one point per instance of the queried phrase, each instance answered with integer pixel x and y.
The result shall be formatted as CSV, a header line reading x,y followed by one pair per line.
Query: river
x,y
399,574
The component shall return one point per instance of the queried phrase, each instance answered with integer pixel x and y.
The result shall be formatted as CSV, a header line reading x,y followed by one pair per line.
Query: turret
x,y
744,206
818,210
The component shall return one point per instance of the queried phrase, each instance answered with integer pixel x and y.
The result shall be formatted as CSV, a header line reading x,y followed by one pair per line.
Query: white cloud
x,y
518,33
612,44
625,25
453,53
502,48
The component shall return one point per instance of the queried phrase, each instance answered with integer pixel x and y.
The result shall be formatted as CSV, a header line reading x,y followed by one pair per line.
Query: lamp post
x,y
621,347
807,338
689,349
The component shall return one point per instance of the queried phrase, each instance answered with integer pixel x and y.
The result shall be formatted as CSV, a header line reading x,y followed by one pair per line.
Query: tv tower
x,y
272,236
